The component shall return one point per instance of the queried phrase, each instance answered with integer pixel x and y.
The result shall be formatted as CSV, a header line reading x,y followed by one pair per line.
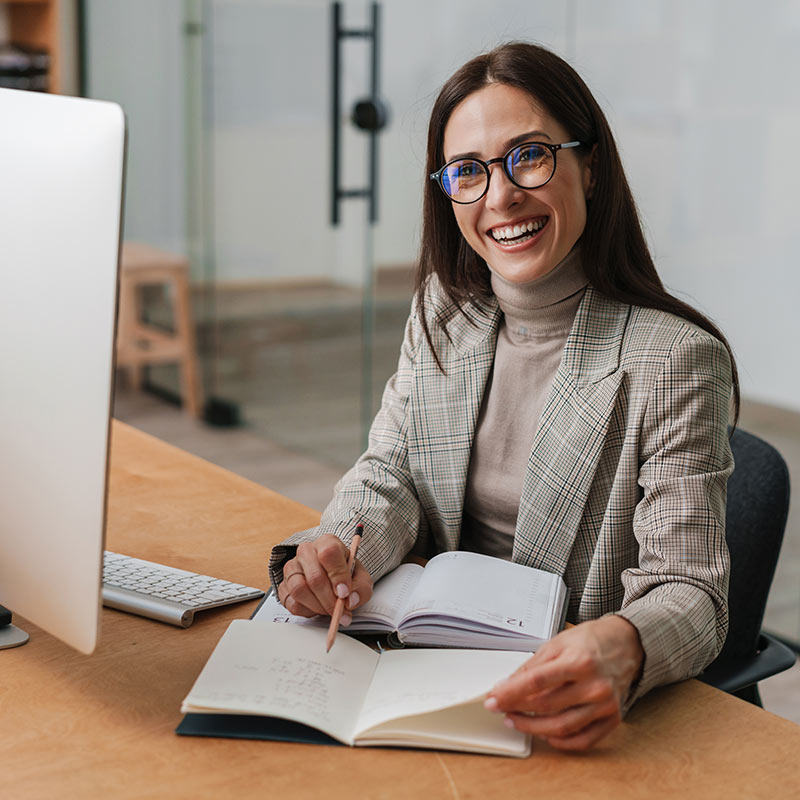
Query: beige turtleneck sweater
x,y
537,318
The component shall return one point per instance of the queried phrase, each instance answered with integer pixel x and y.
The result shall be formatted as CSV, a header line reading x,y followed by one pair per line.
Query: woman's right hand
x,y
318,575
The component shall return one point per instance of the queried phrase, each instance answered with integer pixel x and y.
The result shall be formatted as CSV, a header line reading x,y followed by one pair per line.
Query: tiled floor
x,y
311,481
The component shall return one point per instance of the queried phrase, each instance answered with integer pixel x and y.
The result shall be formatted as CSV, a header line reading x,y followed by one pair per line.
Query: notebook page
x,y
390,596
487,590
467,727
411,682
283,671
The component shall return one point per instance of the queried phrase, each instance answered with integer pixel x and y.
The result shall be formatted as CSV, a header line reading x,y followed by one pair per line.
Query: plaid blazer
x,y
625,488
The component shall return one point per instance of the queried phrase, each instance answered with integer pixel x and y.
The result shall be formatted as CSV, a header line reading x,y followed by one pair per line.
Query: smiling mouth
x,y
521,232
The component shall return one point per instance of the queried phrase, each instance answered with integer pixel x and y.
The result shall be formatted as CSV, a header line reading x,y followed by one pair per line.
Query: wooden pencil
x,y
339,607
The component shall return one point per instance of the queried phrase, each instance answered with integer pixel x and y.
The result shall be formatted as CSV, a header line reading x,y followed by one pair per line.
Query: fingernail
x,y
342,590
490,704
508,722
354,600
346,620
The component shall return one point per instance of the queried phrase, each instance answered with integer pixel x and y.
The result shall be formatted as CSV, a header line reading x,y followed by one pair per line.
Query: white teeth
x,y
510,232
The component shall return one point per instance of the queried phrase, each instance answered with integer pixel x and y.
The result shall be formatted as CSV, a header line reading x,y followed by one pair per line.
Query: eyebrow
x,y
529,136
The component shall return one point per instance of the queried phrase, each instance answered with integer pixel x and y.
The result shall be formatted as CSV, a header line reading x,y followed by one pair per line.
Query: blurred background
x,y
241,130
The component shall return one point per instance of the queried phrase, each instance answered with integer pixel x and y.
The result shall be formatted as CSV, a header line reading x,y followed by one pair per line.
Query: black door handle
x,y
370,114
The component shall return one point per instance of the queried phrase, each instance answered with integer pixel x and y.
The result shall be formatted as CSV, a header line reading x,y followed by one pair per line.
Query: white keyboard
x,y
165,593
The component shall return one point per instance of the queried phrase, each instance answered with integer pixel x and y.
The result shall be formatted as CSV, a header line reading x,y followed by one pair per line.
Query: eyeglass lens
x,y
528,166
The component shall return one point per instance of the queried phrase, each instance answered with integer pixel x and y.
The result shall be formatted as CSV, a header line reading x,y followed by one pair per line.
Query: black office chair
x,y
758,504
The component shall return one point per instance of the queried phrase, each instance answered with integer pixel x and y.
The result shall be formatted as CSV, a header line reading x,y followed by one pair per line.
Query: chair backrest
x,y
758,504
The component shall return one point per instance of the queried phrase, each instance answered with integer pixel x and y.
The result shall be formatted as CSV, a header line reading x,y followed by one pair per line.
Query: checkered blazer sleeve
x,y
678,597
378,491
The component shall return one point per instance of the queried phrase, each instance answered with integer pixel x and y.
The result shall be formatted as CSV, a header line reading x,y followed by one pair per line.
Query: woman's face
x,y
486,125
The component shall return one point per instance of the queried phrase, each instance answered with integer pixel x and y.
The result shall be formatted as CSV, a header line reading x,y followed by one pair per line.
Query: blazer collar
x,y
592,348
473,328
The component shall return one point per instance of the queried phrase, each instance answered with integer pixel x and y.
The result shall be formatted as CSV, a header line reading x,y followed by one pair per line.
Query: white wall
x,y
702,94
135,57
424,42
705,101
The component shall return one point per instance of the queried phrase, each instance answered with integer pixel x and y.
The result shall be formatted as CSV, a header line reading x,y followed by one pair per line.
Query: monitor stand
x,y
10,635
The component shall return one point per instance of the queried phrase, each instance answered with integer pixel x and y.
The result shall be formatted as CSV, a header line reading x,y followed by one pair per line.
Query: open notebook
x,y
277,681
457,600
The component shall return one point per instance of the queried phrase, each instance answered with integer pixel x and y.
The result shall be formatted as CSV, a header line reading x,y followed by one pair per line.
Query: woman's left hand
x,y
572,691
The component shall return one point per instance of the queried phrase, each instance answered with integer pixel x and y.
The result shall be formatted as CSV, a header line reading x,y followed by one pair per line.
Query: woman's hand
x,y
318,575
571,692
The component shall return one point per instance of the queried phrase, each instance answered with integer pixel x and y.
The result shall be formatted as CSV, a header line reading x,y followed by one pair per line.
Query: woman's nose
x,y
502,193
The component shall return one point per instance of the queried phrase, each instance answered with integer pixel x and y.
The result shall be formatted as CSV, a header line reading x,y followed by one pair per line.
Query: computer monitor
x,y
61,184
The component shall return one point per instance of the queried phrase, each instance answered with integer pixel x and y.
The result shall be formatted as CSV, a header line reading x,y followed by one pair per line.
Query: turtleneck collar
x,y
545,306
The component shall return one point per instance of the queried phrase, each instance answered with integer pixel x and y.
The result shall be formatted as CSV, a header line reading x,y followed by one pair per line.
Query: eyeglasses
x,y
529,166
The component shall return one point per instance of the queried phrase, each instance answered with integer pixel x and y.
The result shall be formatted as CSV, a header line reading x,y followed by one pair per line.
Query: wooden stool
x,y
139,344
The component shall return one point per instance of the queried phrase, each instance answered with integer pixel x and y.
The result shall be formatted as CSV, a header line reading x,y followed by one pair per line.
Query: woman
x,y
552,405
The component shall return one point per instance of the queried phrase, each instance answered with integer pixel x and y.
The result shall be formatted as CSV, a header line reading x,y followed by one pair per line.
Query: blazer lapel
x,y
449,414
571,433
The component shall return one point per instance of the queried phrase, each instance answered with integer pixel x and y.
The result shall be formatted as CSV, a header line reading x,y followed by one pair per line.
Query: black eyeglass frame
x,y
553,148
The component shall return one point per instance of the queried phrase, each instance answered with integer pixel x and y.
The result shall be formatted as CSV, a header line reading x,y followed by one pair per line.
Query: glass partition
x,y
286,292
304,318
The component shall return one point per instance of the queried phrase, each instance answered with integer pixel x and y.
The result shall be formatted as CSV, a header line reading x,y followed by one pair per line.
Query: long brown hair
x,y
616,259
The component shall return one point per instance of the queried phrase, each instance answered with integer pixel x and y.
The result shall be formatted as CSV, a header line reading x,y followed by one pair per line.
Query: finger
x,y
303,601
296,580
318,591
586,738
532,678
333,556
296,588
283,587
290,581
304,597
577,693
547,652
566,724
361,590
291,567
293,606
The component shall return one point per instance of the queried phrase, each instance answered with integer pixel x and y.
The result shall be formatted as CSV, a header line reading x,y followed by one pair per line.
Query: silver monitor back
x,y
61,182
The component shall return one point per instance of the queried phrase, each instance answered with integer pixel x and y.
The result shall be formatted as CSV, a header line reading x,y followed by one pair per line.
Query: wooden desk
x,y
77,726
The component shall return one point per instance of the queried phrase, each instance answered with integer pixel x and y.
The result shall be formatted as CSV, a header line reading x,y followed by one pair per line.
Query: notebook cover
x,y
243,726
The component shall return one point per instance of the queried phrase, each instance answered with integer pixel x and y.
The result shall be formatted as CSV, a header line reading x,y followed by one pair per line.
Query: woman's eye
x,y
466,173
468,169
529,153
